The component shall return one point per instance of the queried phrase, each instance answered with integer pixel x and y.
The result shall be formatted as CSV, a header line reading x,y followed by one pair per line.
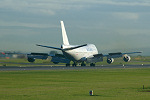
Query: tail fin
x,y
64,35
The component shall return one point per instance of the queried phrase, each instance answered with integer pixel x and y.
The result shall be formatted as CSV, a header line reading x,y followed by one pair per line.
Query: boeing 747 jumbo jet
x,y
82,53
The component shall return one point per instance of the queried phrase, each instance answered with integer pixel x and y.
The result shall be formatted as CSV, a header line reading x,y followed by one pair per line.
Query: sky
x,y
112,25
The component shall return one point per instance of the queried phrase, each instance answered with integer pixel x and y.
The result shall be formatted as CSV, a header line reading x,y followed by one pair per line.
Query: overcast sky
x,y
112,25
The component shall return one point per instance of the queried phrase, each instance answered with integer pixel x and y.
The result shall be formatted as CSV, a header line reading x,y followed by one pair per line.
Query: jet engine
x,y
110,60
126,58
31,59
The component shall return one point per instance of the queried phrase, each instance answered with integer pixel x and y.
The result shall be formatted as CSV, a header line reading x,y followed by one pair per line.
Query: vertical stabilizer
x,y
64,35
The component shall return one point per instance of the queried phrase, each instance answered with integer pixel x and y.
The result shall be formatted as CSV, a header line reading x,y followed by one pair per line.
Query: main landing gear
x,y
67,65
82,64
74,64
92,64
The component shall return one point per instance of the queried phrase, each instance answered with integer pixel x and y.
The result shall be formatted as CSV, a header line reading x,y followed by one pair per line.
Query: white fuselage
x,y
80,54
83,53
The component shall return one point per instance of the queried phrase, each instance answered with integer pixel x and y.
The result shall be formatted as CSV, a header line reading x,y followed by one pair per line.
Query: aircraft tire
x,y
74,65
92,64
67,65
83,64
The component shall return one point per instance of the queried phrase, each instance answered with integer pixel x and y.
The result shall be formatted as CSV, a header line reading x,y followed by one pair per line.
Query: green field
x,y
107,84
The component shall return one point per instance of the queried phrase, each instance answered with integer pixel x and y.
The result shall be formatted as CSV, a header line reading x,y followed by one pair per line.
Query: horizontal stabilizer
x,y
74,47
49,47
60,48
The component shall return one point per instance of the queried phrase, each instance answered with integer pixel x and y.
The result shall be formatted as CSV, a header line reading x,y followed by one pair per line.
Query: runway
x,y
19,68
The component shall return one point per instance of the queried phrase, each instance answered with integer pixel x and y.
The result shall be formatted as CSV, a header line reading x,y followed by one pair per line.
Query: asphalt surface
x,y
19,68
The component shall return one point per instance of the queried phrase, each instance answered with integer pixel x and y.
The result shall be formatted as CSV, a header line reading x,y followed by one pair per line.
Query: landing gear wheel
x,y
83,64
92,64
67,65
74,65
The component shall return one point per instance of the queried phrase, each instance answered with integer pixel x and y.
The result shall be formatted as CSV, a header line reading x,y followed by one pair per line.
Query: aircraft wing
x,y
49,47
119,54
114,55
75,47
110,57
131,52
98,55
56,58
61,48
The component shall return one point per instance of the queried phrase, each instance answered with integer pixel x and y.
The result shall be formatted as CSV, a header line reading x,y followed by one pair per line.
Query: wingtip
x,y
37,45
140,52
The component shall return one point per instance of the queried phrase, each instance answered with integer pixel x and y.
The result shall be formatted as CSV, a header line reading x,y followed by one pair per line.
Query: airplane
x,y
82,53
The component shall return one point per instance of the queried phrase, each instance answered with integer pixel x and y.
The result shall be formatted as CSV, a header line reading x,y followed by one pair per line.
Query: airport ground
x,y
75,84
108,82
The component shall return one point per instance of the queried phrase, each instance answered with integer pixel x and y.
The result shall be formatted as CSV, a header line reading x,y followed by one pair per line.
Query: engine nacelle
x,y
31,59
126,58
59,59
110,60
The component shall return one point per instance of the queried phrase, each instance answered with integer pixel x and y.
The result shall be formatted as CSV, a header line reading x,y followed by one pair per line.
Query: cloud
x,y
126,15
23,24
26,6
122,3
128,32
50,7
